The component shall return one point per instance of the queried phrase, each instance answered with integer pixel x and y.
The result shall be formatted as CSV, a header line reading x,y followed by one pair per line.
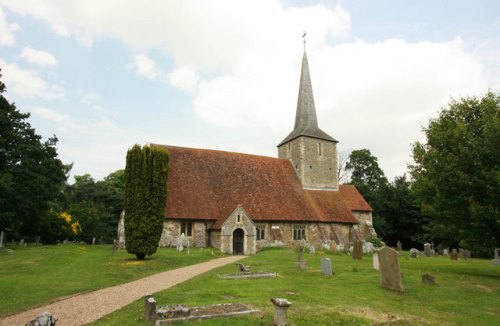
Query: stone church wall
x,y
238,219
172,231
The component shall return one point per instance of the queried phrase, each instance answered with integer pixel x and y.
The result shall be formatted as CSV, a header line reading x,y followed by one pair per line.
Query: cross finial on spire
x,y
304,37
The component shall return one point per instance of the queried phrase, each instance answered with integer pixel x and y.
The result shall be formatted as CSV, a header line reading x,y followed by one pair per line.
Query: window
x,y
187,228
299,231
261,232
239,218
319,149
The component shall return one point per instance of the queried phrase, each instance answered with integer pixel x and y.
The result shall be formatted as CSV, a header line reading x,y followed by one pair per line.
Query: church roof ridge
x,y
306,121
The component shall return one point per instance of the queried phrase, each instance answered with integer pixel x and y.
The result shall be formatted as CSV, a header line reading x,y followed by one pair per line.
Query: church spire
x,y
306,122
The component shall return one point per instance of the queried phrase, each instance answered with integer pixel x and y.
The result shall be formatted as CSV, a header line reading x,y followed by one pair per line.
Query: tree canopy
x,y
31,174
457,173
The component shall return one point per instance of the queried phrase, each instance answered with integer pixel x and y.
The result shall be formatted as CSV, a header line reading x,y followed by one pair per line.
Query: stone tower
x,y
313,152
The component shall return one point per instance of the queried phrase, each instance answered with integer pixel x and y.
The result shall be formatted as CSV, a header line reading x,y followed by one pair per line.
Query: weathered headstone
x,y
440,249
496,259
467,254
188,247
390,272
300,263
399,245
414,253
461,253
427,249
445,251
2,236
149,308
376,265
280,307
21,243
312,250
44,319
115,246
180,246
357,252
428,279
93,240
326,266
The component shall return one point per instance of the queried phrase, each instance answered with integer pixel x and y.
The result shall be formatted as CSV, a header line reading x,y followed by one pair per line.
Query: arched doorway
x,y
238,235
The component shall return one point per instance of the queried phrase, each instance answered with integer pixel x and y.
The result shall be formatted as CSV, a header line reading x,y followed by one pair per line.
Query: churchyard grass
x,y
467,292
36,275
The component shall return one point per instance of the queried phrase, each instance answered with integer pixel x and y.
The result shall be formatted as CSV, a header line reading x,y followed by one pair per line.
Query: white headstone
x,y
375,261
180,246
312,250
2,235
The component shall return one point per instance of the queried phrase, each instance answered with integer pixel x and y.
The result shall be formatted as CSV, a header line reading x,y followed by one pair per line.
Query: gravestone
x,y
2,236
414,253
280,307
326,266
93,240
312,250
149,308
454,255
300,263
496,259
440,249
22,242
390,272
375,261
399,245
180,242
467,254
115,246
357,250
188,247
454,251
461,253
445,251
428,279
427,249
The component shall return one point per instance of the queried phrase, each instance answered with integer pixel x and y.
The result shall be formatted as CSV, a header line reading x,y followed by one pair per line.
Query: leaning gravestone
x,y
358,250
390,272
2,235
427,249
399,245
326,266
414,253
376,265
496,259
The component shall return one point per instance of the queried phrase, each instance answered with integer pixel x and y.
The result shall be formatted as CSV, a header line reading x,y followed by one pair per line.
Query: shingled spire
x,y
306,123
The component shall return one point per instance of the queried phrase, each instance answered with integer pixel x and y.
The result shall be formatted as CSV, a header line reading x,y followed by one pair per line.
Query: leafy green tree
x,y
457,174
145,198
31,175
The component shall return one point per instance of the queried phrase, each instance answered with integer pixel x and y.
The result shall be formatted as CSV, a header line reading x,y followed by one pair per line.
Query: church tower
x,y
313,152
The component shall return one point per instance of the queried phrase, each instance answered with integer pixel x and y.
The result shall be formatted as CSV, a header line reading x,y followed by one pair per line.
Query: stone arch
x,y
238,219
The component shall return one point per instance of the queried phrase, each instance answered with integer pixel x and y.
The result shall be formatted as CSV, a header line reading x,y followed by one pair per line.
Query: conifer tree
x,y
146,174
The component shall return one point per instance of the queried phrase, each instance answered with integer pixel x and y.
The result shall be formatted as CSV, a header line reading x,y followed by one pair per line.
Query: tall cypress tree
x,y
146,174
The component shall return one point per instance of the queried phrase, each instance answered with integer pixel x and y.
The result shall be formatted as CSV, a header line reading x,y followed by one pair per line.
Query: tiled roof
x,y
209,184
354,199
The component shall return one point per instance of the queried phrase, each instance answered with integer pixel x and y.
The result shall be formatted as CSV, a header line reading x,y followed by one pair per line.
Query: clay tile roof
x,y
354,199
209,184
333,205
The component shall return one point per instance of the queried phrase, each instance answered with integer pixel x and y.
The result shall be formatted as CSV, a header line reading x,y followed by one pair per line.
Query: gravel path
x,y
88,307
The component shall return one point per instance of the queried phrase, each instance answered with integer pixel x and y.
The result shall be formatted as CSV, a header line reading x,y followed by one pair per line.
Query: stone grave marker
x,y
180,242
399,245
280,307
93,240
21,243
467,254
428,279
496,259
312,250
376,264
390,272
326,266
445,251
2,236
357,252
461,253
414,253
427,249
300,263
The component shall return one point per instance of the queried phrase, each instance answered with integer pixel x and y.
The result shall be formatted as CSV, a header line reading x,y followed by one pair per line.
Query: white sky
x,y
104,75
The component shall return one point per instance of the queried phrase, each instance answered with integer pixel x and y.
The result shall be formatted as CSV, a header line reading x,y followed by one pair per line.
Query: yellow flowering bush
x,y
73,227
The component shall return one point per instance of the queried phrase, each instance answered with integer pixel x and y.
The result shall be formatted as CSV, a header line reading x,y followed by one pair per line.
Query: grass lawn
x,y
37,275
466,293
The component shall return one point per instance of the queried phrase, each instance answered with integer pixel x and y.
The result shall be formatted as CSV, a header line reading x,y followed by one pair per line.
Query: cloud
x,y
50,114
37,57
27,83
6,30
184,78
90,97
145,66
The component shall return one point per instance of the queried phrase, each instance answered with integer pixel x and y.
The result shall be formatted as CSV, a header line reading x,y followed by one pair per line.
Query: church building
x,y
240,203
